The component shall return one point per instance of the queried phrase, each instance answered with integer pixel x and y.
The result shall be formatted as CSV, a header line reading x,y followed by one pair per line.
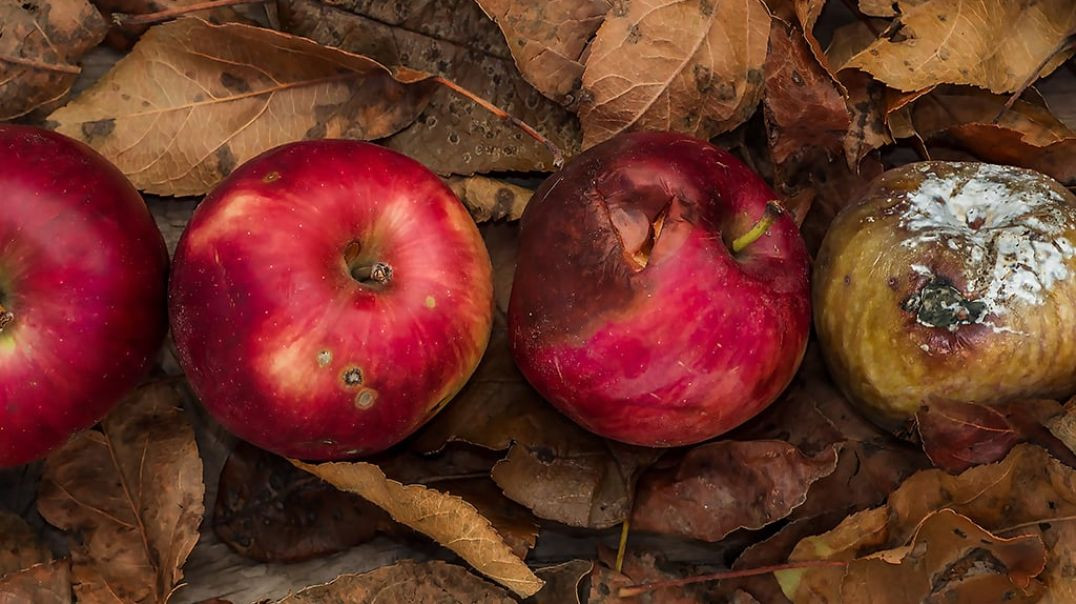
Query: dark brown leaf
x,y
720,487
605,582
41,43
490,199
44,583
193,100
19,546
562,582
456,40
131,497
413,582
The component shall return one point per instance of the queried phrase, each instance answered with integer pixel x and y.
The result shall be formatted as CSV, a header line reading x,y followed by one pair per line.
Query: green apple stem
x,y
378,272
769,215
6,318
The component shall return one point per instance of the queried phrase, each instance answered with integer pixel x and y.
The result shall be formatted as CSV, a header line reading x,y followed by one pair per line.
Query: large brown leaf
x,y
44,583
41,43
447,519
548,40
720,487
418,583
194,100
692,67
131,496
454,39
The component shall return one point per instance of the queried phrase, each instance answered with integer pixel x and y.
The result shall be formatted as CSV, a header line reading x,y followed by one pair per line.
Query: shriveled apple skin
x,y
891,354
83,269
283,346
682,349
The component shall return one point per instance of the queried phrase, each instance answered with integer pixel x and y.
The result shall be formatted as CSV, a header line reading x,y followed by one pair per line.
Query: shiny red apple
x,y
82,290
660,299
328,298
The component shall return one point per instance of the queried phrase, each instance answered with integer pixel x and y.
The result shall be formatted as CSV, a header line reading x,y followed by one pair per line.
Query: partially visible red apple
x,y
82,290
328,298
630,310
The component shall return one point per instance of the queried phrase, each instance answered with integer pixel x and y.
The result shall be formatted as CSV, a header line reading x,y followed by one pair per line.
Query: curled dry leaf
x,y
692,67
720,487
447,519
404,582
456,40
19,546
41,43
548,40
193,100
131,496
490,199
512,521
44,583
985,43
562,582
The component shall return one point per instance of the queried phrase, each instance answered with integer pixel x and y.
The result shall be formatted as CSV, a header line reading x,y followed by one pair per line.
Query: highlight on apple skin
x,y
83,270
631,313
328,298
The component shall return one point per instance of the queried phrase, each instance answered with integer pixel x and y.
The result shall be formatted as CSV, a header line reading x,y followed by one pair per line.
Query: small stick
x,y
642,588
72,69
1014,527
623,545
123,19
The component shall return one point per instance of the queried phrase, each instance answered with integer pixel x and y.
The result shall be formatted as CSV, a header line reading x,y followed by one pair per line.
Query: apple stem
x,y
6,318
378,272
554,150
123,19
769,215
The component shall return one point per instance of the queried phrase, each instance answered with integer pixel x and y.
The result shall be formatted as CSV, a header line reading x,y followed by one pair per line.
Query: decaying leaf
x,y
512,521
43,583
692,67
1063,426
404,582
193,100
562,582
123,36
41,43
19,546
131,497
490,199
720,487
447,519
548,39
987,43
456,40
646,567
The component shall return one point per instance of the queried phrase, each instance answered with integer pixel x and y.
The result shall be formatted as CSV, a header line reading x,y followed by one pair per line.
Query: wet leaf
x,y
692,67
131,497
420,583
447,519
490,199
44,583
720,487
19,546
41,43
548,39
562,582
456,40
192,101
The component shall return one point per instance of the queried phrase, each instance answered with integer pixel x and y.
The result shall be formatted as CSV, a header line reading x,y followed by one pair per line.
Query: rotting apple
x,y
950,281
660,297
328,298
83,269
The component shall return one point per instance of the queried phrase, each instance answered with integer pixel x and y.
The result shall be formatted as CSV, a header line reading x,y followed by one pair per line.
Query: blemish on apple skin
x,y
271,177
324,358
352,376
431,302
365,399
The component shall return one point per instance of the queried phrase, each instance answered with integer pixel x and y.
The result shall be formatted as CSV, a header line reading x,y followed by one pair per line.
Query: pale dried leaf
x,y
193,100
490,199
692,67
447,519
45,583
19,545
41,42
548,39
131,495
406,581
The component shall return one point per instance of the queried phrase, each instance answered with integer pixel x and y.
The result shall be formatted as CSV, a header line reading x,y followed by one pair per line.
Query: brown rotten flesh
x,y
950,282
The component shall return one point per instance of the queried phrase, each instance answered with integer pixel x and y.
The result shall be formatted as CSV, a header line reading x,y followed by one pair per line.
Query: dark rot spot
x,y
352,376
98,128
271,177
939,304
234,83
848,279
226,160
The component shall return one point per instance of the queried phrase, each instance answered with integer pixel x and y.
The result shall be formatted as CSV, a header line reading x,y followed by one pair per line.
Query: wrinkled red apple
x,y
82,290
328,298
631,313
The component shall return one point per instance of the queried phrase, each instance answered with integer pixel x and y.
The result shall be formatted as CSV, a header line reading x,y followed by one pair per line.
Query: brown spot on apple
x,y
324,358
365,399
352,376
271,177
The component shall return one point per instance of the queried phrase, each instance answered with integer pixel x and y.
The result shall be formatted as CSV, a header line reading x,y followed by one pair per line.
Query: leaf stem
x,y
123,19
59,68
642,588
623,545
769,215
1015,527
554,150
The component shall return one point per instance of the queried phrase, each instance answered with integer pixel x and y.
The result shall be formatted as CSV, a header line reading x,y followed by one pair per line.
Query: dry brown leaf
x,y
131,495
454,39
44,583
692,67
1063,426
645,567
490,199
562,582
419,583
122,37
991,44
193,100
19,545
721,487
512,521
548,39
447,519
41,42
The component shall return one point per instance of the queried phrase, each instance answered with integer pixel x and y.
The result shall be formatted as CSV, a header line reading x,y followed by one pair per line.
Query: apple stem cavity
x,y
378,272
6,318
769,215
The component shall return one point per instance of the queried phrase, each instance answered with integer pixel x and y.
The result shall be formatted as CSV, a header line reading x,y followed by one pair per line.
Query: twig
x,y
558,157
123,19
642,588
72,69
623,545
1065,42
1015,527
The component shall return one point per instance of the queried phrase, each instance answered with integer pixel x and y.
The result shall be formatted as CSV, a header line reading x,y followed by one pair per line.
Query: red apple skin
x,y
83,269
283,346
692,345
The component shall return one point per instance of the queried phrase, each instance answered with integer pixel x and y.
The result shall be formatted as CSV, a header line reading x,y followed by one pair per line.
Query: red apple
x,y
82,290
328,298
631,312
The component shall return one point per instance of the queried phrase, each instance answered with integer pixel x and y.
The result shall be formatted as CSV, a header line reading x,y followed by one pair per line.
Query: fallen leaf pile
x,y
495,497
